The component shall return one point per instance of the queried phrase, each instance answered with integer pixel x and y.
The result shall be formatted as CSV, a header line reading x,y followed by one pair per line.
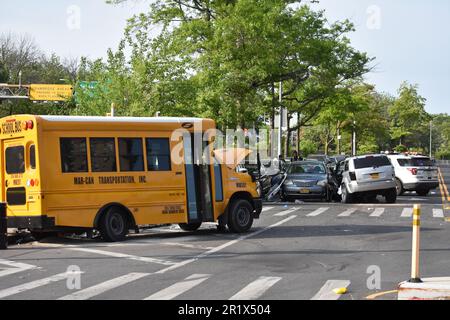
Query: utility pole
x,y
339,137
431,138
354,140
280,122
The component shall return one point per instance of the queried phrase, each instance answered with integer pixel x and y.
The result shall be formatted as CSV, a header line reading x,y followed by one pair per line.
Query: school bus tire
x,y
114,225
240,216
190,226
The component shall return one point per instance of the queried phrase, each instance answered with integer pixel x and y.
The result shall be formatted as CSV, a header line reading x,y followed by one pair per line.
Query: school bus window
x,y
33,156
15,160
131,154
158,154
103,155
73,155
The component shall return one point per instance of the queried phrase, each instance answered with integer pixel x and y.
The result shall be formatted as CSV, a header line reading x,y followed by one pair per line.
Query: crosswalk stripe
x,y
124,256
286,212
317,212
407,212
32,285
256,289
347,213
179,288
15,267
327,293
378,212
438,213
104,286
265,209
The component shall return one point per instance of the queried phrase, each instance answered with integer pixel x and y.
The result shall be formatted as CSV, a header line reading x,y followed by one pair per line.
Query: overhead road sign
x,y
50,92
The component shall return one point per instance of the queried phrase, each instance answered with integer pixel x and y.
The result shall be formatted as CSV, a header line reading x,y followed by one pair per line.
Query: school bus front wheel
x,y
240,216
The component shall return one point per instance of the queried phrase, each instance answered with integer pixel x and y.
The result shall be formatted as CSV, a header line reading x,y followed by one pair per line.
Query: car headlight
x,y
288,183
322,183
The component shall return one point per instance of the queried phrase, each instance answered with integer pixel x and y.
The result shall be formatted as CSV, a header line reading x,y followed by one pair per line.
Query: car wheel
x,y
399,187
190,226
114,225
423,193
240,217
391,196
346,196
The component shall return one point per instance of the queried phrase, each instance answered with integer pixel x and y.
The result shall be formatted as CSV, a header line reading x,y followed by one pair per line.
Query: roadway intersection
x,y
294,252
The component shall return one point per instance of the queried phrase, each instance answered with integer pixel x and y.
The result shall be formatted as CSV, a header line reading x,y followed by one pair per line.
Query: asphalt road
x,y
294,252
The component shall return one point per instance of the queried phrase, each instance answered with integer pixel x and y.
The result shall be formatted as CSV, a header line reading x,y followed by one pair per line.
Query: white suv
x,y
414,173
367,176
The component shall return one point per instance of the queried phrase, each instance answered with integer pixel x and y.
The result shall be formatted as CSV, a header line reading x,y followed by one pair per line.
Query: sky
x,y
408,38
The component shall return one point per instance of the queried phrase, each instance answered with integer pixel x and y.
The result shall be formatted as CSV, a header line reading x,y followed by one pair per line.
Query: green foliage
x,y
307,147
401,148
3,73
408,115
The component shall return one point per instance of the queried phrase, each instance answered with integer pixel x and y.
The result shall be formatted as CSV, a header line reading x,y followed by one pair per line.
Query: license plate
x,y
304,191
375,176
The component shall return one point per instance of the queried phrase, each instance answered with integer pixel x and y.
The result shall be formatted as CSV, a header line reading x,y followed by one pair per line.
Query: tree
x,y
408,115
3,73
223,59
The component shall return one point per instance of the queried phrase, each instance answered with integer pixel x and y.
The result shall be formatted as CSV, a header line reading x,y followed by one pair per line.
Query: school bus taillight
x,y
28,125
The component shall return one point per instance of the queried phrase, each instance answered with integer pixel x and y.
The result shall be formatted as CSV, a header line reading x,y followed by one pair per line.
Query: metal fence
x,y
443,162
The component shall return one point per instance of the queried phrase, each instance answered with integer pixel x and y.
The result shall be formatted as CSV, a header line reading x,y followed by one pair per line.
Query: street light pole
x,y
431,138
280,122
354,139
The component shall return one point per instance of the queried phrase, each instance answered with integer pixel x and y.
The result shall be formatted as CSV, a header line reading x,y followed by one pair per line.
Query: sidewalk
x,y
430,289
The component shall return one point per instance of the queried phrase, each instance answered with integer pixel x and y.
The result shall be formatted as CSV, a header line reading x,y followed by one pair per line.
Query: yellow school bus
x,y
77,174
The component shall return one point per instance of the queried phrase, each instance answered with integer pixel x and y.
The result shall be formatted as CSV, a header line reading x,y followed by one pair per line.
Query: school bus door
x,y
14,175
198,180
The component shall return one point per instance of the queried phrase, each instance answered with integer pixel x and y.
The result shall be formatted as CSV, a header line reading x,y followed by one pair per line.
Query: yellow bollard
x,y
415,264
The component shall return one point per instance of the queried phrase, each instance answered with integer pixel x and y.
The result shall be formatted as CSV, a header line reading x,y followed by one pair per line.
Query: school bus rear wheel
x,y
114,225
190,226
240,217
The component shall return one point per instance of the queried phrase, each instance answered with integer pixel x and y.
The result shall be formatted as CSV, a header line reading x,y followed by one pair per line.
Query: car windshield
x,y
371,161
416,162
307,168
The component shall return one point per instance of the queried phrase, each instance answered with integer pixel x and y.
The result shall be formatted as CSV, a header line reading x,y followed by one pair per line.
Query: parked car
x,y
414,173
307,180
367,177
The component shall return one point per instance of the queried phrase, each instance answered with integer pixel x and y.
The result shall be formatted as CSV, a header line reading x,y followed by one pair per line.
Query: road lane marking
x,y
185,245
15,267
326,292
317,212
443,187
34,284
223,246
286,212
124,256
104,286
256,289
265,209
407,213
378,212
179,288
438,213
347,213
